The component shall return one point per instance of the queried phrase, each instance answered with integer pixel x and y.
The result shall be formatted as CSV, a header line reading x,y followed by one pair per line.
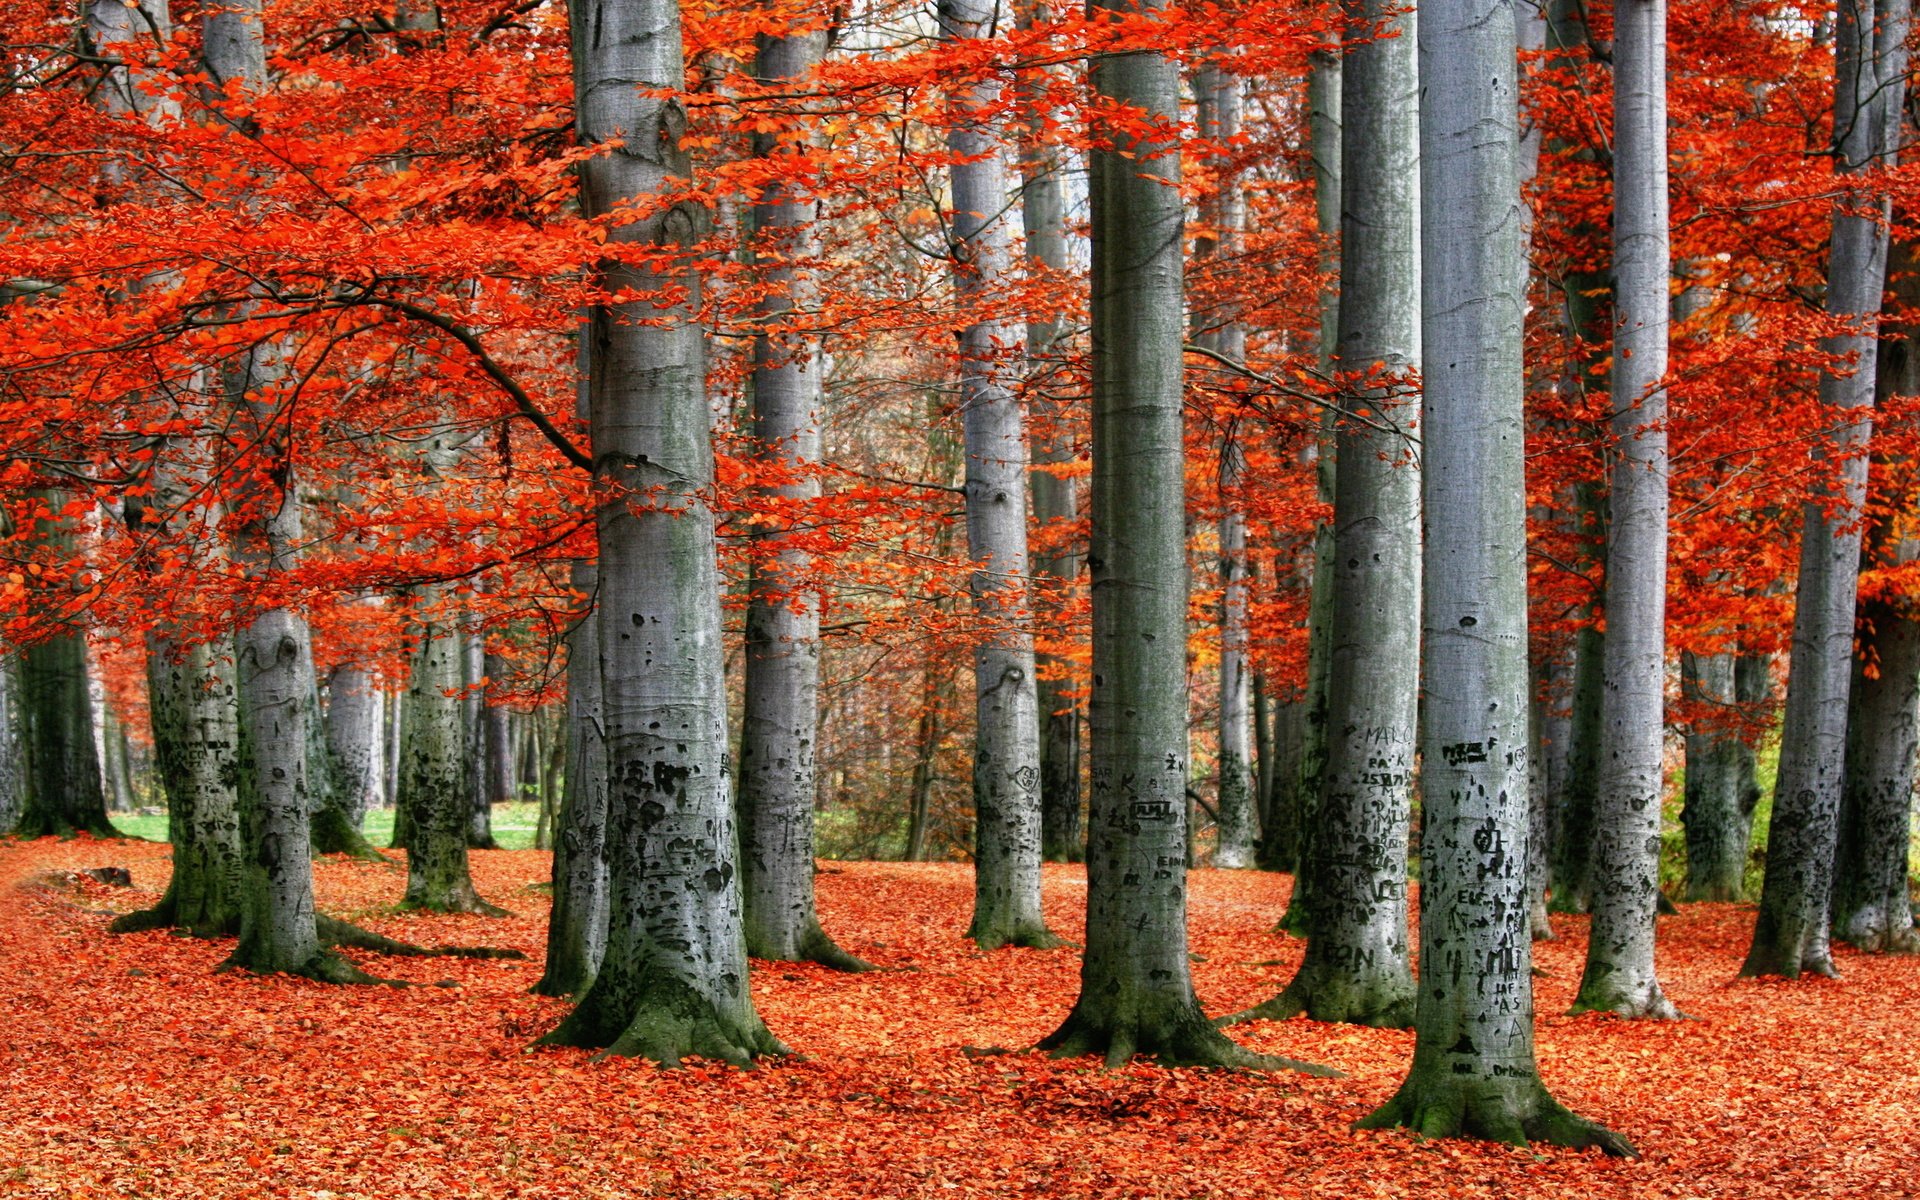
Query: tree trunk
x,y
1357,967
577,930
1790,934
1043,214
1217,118
354,729
1625,881
1136,990
1473,1068
1717,813
674,978
1573,821
436,763
477,726
64,792
926,743
780,721
497,722
13,775
1006,759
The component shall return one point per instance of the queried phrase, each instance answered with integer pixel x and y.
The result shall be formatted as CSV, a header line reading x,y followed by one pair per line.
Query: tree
x,y
1357,967
1790,934
1006,759
780,719
673,981
1136,988
577,924
1625,881
1717,812
1473,1067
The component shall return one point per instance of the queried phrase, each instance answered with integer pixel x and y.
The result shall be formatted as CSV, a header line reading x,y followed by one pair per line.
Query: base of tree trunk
x,y
1714,891
817,947
1184,1039
1634,1004
1874,935
668,1022
454,900
40,824
166,915
1512,1111
324,967
1034,937
1323,996
1786,962
1540,921
333,833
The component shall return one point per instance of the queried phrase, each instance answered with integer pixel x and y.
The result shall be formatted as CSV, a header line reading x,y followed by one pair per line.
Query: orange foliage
x,y
130,1069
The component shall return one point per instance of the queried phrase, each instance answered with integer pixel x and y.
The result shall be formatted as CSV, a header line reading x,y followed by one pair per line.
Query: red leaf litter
x,y
130,1069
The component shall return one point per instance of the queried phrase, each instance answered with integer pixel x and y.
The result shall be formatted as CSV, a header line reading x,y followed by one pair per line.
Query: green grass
x,y
513,825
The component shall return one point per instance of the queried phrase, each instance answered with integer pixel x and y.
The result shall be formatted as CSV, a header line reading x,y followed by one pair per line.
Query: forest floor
x,y
128,1068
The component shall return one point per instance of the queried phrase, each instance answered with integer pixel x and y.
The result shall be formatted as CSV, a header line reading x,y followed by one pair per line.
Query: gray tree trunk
x,y
1136,990
436,767
1217,118
13,779
1305,719
780,720
1473,1067
196,734
1625,881
1043,214
1357,965
1790,934
1716,816
674,978
497,724
577,930
478,730
1006,758
354,736
64,793
1872,908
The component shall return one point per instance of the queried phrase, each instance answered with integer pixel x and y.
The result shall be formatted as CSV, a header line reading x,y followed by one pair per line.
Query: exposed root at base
x,y
1300,997
1447,1110
335,932
1032,937
1186,1044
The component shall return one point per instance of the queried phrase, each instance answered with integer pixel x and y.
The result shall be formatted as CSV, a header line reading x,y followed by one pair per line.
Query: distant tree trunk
x,y
1871,905
1573,822
673,981
577,931
1790,934
1298,788
338,802
477,729
1473,1067
1136,989
65,794
1217,118
1625,882
436,786
115,771
1357,966
497,724
1006,758
354,729
1716,815
926,744
13,775
1043,214
780,721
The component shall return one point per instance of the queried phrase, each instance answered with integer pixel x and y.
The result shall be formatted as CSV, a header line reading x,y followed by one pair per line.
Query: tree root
x,y
1650,1005
460,900
664,1019
1336,1005
817,947
1188,1041
1032,937
1491,1111
335,932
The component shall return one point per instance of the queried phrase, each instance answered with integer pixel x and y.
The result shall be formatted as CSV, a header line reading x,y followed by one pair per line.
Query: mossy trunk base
x,y
1181,1038
665,1021
1516,1112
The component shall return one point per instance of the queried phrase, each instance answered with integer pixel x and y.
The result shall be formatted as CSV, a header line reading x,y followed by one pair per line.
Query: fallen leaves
x,y
130,1069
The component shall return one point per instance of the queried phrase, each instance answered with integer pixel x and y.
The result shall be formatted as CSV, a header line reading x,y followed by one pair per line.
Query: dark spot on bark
x,y
716,877
1464,1046
1468,622
650,814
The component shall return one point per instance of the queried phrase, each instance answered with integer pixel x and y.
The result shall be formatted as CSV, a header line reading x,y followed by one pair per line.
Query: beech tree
x,y
1136,988
673,980
1625,880
780,722
1790,934
1473,1066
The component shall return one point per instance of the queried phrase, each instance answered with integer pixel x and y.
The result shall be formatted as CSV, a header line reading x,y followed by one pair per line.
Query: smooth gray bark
x,y
12,751
1043,216
1006,758
436,764
780,721
478,731
1357,966
355,729
674,978
577,930
1474,1070
1790,934
1716,816
1620,976
1217,118
1136,988
496,722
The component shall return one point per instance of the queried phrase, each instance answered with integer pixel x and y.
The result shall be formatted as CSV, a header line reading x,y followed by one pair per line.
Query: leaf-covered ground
x,y
129,1069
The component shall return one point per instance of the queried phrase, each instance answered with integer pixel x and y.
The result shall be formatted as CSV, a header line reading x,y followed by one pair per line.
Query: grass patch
x,y
513,825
